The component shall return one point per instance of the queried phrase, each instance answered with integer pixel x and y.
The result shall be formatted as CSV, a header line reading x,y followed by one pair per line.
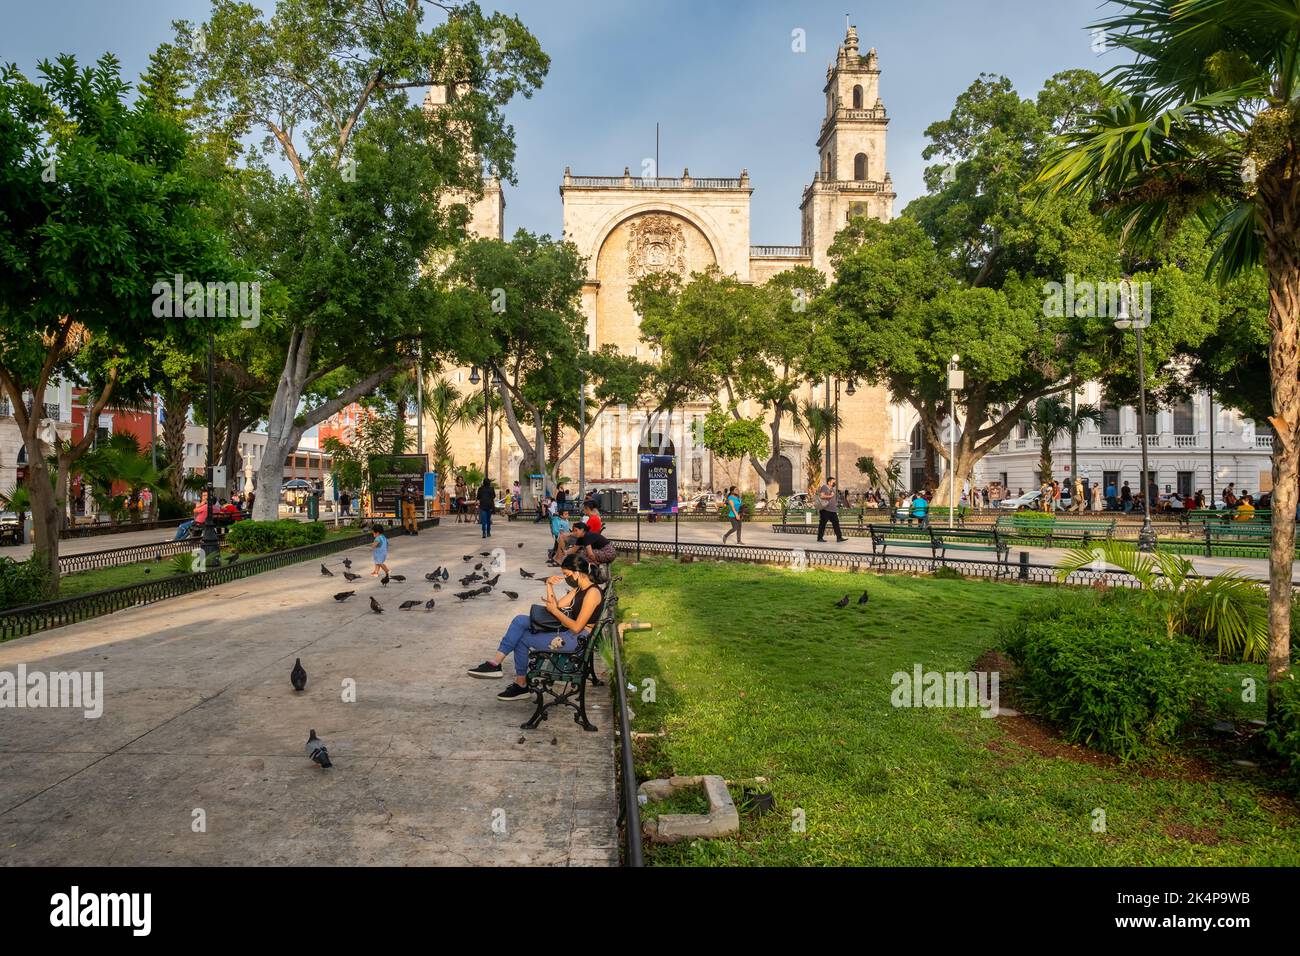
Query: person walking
x,y
733,503
1110,497
829,502
1126,498
1077,499
408,508
486,505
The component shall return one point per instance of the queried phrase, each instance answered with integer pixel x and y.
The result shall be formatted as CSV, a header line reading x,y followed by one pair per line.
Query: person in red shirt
x,y
592,519
566,542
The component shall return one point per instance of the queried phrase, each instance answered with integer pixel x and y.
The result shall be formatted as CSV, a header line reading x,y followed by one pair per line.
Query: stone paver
x,y
199,714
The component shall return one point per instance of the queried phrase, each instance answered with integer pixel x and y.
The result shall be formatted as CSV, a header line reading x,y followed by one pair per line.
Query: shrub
x,y
170,507
1283,733
258,537
1106,672
22,582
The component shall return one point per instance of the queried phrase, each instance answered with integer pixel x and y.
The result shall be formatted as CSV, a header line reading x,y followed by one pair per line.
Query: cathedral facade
x,y
628,226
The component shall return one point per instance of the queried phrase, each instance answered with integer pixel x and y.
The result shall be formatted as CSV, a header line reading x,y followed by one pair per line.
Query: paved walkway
x,y
199,714
762,535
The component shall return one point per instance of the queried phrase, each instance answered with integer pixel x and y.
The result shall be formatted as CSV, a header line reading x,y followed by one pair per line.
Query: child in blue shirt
x,y
379,551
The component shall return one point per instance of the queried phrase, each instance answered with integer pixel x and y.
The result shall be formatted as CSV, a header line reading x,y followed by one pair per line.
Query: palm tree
x,y
1206,125
816,422
1050,418
442,403
1227,609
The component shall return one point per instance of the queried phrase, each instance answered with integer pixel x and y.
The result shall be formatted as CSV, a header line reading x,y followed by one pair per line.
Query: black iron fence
x,y
21,621
112,557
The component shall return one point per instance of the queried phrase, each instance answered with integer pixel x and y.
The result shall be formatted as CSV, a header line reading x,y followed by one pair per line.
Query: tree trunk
x,y
176,406
46,515
1283,262
281,432
230,456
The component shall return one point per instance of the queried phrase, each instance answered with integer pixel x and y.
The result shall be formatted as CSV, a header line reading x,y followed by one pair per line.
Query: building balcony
x,y
1112,441
1020,444
628,181
1264,441
780,252
1184,441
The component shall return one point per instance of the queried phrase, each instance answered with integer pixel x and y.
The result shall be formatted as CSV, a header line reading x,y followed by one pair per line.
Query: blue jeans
x,y
183,529
519,639
485,521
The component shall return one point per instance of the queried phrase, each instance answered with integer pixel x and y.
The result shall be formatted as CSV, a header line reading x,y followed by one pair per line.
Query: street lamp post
x,y
211,546
956,381
1123,322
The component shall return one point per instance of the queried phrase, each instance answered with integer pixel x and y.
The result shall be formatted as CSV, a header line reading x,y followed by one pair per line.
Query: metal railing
x,y
629,814
112,557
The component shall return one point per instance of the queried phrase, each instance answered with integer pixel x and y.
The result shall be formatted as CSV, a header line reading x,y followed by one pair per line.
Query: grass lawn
x,y
99,579
758,674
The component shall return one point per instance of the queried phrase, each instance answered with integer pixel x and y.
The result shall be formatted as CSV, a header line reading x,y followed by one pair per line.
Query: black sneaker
x,y
485,670
515,692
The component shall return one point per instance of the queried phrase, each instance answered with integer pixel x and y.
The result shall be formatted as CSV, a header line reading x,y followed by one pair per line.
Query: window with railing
x,y
1184,441
1111,441
1109,423
1183,420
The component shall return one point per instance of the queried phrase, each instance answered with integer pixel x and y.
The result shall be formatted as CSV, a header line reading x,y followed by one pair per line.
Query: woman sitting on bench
x,y
574,611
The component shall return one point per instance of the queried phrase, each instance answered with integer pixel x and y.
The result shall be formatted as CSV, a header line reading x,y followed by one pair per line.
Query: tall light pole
x,y
473,380
956,381
211,546
1213,499
1123,322
828,436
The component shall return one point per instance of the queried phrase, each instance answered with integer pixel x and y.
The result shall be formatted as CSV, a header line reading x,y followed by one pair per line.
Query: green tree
x,y
731,438
99,198
376,183
1205,124
1050,418
817,422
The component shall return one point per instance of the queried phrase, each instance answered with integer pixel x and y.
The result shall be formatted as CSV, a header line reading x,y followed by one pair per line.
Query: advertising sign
x,y
657,482
387,475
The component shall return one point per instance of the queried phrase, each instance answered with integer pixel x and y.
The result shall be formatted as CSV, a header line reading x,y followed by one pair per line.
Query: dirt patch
x,y
1189,834
1036,735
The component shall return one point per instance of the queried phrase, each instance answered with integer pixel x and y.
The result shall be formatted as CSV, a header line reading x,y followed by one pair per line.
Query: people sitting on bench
x,y
200,516
573,613
564,540
591,546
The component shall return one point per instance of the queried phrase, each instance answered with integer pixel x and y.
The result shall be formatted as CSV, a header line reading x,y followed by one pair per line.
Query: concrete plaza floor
x,y
199,715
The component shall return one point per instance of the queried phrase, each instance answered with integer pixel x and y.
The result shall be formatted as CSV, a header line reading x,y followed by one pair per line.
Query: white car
x,y
1028,500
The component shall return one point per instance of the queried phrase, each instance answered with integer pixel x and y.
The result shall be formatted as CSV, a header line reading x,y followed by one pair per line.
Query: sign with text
x,y
388,475
657,483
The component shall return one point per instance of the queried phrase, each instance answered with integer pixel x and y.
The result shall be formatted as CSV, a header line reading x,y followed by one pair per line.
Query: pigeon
x,y
407,605
147,571
437,586
519,545
374,606
525,574
479,566
326,572
842,602
344,595
467,557
485,589
298,676
384,580
399,577
350,576
492,581
347,563
433,576
466,595
510,594
469,579
445,574
485,554
316,750
428,605
864,599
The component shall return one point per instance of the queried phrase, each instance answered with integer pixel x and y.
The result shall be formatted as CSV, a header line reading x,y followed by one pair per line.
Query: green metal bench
x,y
884,537
1051,528
563,675
972,539
1248,533
1222,516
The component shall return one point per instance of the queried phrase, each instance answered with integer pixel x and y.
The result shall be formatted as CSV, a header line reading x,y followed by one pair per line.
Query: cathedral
x,y
629,225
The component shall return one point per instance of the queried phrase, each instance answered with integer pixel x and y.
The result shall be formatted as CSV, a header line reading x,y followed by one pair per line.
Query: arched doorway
x,y
782,468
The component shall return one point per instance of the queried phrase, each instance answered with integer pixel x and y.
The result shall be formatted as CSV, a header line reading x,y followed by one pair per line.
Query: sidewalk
x,y
199,714
760,533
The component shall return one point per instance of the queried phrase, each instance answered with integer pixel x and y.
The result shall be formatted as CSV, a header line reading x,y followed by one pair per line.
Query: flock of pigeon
x,y
478,583
844,601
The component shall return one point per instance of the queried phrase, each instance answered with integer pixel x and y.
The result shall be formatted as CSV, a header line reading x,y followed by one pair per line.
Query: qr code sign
x,y
658,489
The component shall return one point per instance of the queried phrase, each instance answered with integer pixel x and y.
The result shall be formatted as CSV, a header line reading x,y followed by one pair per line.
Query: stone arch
x,y
620,216
857,97
860,167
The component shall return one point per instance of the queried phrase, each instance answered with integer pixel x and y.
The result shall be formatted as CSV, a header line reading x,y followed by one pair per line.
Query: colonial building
x,y
627,226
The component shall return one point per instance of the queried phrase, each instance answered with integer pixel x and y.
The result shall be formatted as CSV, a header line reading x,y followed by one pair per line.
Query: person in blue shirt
x,y
379,551
920,509
733,506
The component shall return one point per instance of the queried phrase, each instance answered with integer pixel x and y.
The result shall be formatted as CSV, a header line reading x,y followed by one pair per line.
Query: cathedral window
x,y
860,167
857,97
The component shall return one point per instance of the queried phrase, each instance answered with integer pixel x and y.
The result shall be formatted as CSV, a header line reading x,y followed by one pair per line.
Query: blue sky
x,y
719,75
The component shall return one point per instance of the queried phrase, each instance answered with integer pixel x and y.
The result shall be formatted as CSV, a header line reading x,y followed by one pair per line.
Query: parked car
x,y
11,528
703,503
1020,502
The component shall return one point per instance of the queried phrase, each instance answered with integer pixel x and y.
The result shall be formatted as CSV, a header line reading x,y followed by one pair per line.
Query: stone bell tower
x,y
851,178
